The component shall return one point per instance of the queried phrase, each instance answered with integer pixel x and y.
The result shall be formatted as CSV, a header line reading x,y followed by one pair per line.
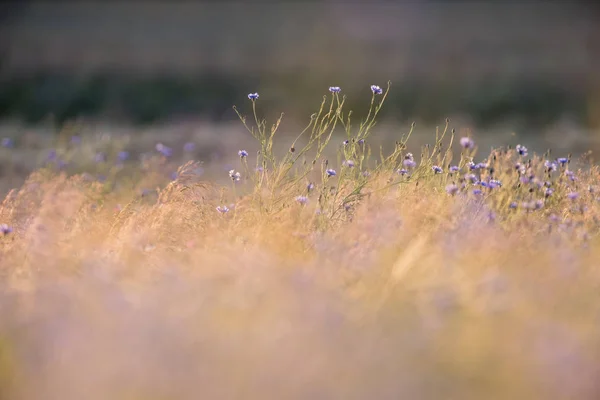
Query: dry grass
x,y
408,292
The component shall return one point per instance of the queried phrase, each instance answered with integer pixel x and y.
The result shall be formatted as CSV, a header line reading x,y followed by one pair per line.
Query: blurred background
x,y
528,69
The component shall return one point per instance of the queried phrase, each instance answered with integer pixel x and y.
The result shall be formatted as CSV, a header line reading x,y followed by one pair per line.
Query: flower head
x,y
5,229
454,168
452,189
234,175
467,142
253,96
189,147
437,170
310,186
522,150
335,89
349,163
402,171
302,199
494,183
477,192
123,156
243,153
164,150
550,165
513,205
572,195
409,163
376,89
562,160
223,209
331,172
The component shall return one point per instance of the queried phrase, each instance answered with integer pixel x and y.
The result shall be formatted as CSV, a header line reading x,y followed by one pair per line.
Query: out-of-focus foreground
x,y
314,269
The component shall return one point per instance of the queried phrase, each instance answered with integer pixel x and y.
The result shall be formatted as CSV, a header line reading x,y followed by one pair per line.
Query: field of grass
x,y
315,268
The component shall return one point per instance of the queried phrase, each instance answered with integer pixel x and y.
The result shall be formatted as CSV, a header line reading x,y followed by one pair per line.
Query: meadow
x,y
326,266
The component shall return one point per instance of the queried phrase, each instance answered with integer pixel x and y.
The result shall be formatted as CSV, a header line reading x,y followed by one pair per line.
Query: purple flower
x,y
376,89
481,165
310,186
402,171
331,172
550,165
253,96
436,169
522,150
452,189
570,175
346,142
525,179
512,205
472,178
223,209
164,150
409,163
5,229
7,142
467,142
477,192
173,176
361,141
454,168
243,153
123,155
548,192
572,195
538,204
494,183
335,89
189,147
349,163
562,160
302,199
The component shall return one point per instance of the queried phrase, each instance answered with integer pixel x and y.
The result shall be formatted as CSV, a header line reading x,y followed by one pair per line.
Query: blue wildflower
x,y
376,89
349,163
7,142
550,165
223,209
572,195
481,165
512,205
164,150
253,96
335,89
570,175
467,142
402,171
436,169
548,192
451,189
302,199
189,147
5,229
331,172
477,192
494,183
562,160
409,163
472,178
454,168
123,155
361,141
522,150
243,153
310,186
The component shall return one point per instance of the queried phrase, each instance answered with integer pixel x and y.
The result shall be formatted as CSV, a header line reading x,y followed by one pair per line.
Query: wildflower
x,y
402,171
349,163
189,147
522,150
335,89
409,156
472,178
452,189
376,89
538,204
467,142
525,179
520,168
5,229
346,142
7,142
302,199
454,168
512,205
570,175
310,186
481,165
572,195
366,173
562,160
235,176
550,165
409,163
253,96
494,183
173,176
477,192
164,150
437,170
331,172
123,155
361,142
548,192
223,209
243,153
